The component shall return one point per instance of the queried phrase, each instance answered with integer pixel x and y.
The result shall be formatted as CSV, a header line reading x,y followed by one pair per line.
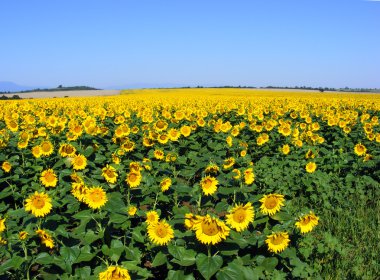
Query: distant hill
x,y
12,87
28,89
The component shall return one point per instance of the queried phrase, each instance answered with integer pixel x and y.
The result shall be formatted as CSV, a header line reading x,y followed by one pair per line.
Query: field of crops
x,y
191,184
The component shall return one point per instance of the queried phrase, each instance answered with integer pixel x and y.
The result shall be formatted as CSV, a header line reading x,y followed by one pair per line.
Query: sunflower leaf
x,y
207,265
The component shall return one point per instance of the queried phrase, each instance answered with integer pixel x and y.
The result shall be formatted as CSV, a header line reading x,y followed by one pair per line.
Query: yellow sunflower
x,y
46,238
115,273
79,190
160,233
79,162
133,179
228,163
22,235
249,176
311,167
185,130
132,210
209,185
191,220
271,203
95,197
165,184
212,168
240,216
6,166
2,225
158,154
67,150
277,242
48,178
285,149
211,230
39,204
109,173
152,217
360,149
37,151
47,148
307,222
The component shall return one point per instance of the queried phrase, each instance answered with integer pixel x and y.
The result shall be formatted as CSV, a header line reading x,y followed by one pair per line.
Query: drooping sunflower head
x,y
46,238
209,185
160,232
115,273
212,168
165,184
39,204
22,235
307,222
277,242
228,163
240,216
211,230
67,150
48,178
191,220
271,203
95,197
249,176
79,190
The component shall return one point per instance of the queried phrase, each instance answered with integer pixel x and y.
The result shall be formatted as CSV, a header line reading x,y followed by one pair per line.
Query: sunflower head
x,y
109,173
360,149
39,204
48,178
133,179
6,166
152,217
277,242
95,197
240,216
271,203
311,167
115,273
210,230
160,233
46,238
165,184
209,185
79,162
307,222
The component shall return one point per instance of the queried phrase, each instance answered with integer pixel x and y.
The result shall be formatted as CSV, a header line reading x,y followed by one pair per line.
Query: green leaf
x,y
44,258
269,264
116,249
230,272
179,275
159,259
13,263
132,254
208,266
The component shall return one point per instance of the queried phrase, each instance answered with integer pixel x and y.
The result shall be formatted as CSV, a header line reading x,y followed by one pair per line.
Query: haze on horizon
x,y
105,44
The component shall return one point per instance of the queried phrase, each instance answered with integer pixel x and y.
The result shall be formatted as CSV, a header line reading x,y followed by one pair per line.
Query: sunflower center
x,y
132,177
46,147
270,202
79,161
38,202
277,240
239,215
161,231
96,196
116,276
207,183
305,221
210,229
49,177
110,173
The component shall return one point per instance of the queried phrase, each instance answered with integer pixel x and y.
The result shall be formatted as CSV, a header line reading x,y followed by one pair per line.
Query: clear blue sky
x,y
109,43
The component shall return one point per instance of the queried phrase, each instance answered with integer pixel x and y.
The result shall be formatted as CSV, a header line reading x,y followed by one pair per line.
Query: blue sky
x,y
124,43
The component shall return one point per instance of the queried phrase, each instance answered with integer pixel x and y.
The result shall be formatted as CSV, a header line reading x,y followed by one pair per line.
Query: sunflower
x,y
67,150
174,134
191,220
133,179
47,148
360,149
249,176
46,238
79,162
307,222
135,166
285,149
236,174
37,151
2,225
95,197
228,163
6,166
271,203
209,185
132,210
240,216
277,242
212,168
110,174
2,241
165,184
158,154
211,230
152,217
48,178
311,167
79,190
185,130
115,273
160,233
22,235
39,204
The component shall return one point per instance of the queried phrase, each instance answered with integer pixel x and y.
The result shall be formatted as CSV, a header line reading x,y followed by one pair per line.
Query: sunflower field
x,y
191,184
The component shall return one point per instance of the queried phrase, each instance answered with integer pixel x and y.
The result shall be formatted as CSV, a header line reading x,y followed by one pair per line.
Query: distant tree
x,y
60,86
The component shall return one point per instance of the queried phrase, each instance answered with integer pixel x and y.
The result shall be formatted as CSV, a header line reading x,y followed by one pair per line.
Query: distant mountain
x,y
12,87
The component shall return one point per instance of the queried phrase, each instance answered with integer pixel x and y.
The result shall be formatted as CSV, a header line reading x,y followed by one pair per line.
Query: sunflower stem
x,y
209,251
155,202
129,197
199,202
